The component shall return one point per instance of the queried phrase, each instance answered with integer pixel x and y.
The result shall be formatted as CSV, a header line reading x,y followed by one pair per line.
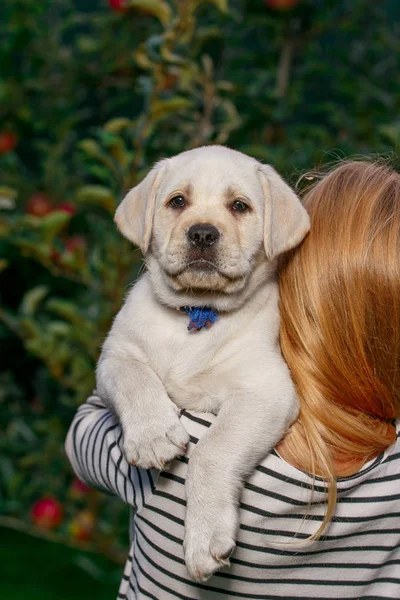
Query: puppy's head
x,y
209,216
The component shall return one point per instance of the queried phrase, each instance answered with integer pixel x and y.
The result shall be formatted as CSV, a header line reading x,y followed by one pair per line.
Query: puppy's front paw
x,y
209,540
155,441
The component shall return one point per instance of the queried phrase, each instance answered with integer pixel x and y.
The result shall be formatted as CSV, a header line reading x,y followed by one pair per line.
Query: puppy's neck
x,y
262,277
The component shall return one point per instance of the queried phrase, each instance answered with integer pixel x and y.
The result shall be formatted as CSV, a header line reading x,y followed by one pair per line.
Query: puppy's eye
x,y
240,206
177,202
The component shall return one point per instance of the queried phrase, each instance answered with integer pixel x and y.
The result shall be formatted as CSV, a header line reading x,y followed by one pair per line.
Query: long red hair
x,y
340,321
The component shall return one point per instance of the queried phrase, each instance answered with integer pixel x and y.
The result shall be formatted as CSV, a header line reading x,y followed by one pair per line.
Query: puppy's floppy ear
x,y
286,220
134,216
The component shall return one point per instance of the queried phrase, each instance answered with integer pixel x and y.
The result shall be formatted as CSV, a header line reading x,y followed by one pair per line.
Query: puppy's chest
x,y
178,354
186,362
198,369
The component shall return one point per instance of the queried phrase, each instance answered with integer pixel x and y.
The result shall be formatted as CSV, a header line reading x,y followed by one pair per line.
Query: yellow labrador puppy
x,y
210,223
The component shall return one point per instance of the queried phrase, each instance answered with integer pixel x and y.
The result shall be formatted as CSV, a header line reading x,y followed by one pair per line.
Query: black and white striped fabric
x,y
358,557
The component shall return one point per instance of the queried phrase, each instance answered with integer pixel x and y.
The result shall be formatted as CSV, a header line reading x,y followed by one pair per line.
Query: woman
x,y
320,516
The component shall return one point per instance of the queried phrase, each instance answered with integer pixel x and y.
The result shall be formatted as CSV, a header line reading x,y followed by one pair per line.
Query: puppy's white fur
x,y
151,365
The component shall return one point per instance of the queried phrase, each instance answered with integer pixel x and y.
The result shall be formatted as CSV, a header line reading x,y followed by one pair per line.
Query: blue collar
x,y
200,317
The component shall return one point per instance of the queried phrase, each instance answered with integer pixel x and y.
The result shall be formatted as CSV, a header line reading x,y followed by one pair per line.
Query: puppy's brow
x,y
188,191
231,194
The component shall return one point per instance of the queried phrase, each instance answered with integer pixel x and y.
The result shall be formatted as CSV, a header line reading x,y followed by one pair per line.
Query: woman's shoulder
x,y
276,468
280,508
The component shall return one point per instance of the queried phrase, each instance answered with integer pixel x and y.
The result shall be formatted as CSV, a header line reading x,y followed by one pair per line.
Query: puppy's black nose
x,y
203,235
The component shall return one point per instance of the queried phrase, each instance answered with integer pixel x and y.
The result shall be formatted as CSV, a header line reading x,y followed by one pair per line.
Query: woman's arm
x,y
94,448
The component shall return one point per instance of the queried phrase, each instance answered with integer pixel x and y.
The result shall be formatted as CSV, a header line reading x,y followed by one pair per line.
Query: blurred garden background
x,y
92,92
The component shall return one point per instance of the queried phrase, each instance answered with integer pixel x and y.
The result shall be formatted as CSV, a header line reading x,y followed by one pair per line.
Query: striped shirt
x,y
357,557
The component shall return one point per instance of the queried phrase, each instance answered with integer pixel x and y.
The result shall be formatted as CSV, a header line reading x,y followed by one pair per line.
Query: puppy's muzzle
x,y
203,236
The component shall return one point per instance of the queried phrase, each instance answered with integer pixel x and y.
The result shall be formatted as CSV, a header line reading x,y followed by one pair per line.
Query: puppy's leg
x,y
153,433
250,423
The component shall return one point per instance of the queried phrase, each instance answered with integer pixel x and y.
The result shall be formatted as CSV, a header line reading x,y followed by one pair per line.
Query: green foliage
x,y
94,98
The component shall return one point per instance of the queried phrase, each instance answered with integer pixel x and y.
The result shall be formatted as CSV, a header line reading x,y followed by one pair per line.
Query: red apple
x,y
47,513
39,205
76,243
82,526
8,141
78,488
281,4
67,207
118,5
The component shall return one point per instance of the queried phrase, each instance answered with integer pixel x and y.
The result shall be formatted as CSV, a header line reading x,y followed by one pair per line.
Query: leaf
x,y
59,328
80,367
4,229
3,264
94,150
164,108
99,172
203,34
20,428
40,251
8,192
63,351
157,8
7,197
117,125
91,148
8,319
119,152
6,203
222,5
142,58
392,132
52,224
66,310
7,468
97,194
31,331
32,299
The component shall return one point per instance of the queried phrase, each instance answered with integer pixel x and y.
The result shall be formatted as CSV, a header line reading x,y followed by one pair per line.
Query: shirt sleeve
x,y
94,448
